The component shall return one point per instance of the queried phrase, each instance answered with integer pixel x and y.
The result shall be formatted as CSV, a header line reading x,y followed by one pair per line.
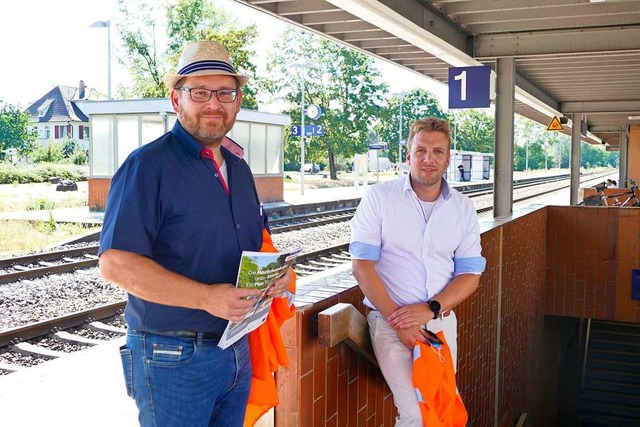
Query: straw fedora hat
x,y
204,58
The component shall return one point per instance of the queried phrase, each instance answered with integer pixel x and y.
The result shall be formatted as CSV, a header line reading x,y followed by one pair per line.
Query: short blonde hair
x,y
430,124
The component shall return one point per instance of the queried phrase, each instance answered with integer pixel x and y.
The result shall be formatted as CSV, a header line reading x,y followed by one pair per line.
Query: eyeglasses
x,y
204,95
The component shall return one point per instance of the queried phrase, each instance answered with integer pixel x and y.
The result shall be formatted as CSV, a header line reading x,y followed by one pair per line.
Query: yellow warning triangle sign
x,y
555,124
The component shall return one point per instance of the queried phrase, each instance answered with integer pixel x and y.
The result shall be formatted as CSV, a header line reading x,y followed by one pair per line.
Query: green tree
x,y
186,21
416,104
592,156
558,149
474,131
138,30
16,129
535,147
612,158
346,85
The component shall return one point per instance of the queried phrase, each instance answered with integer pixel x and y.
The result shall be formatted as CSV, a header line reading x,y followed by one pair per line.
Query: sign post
x,y
470,87
309,130
302,66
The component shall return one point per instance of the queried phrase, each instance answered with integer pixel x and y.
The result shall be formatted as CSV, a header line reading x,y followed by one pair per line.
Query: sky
x,y
50,43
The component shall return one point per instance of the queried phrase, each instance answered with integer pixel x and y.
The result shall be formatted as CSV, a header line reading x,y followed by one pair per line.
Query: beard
x,y
206,133
426,181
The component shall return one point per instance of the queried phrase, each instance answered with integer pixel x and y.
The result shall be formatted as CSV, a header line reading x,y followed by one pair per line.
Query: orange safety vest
x,y
267,350
435,382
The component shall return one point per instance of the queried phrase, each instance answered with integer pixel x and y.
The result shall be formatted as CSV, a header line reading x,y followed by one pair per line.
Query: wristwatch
x,y
435,307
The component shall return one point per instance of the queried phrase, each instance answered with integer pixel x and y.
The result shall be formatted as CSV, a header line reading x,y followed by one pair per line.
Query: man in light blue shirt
x,y
416,253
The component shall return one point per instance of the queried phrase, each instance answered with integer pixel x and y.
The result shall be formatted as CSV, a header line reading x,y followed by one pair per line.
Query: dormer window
x,y
42,110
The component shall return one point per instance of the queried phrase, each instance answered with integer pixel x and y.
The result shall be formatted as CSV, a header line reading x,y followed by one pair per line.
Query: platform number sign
x,y
310,130
469,87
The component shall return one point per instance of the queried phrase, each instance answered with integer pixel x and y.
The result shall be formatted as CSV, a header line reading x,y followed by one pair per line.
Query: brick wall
x,y
627,310
270,188
98,190
328,386
501,325
591,251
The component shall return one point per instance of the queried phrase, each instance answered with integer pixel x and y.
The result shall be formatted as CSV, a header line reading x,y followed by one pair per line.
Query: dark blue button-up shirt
x,y
167,203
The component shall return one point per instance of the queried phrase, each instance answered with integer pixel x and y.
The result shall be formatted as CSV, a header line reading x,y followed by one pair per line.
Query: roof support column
x,y
575,158
505,104
624,159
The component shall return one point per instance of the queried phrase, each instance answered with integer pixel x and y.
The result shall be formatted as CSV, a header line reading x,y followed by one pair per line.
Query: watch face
x,y
434,306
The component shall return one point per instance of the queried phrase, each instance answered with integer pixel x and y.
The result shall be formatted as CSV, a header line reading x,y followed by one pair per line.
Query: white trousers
x,y
396,362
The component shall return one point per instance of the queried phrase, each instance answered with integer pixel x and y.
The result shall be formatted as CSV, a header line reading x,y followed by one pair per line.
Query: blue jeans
x,y
179,381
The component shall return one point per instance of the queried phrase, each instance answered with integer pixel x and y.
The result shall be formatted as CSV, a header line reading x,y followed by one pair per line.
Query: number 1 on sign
x,y
463,85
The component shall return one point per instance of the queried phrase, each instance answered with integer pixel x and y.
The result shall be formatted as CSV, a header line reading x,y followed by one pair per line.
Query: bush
x,y
80,157
293,166
41,172
343,165
51,153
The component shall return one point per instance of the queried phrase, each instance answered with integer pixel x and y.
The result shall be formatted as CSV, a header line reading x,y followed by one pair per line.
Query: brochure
x,y
257,270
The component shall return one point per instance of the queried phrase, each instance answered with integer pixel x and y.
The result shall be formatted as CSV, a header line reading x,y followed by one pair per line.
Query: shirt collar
x,y
445,193
193,147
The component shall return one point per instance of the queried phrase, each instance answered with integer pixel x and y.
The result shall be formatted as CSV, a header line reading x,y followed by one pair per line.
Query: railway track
x,y
68,260
23,341
63,261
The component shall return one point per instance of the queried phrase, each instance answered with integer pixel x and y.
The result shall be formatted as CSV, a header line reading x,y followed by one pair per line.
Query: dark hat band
x,y
206,65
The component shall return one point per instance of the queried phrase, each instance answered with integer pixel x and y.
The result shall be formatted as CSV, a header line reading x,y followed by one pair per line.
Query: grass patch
x,y
41,196
17,237
316,181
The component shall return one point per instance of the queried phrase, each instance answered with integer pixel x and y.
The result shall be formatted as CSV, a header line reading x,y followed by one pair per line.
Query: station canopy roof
x,y
571,56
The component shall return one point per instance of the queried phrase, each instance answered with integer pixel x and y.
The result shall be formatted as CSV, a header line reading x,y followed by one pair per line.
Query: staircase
x,y
610,394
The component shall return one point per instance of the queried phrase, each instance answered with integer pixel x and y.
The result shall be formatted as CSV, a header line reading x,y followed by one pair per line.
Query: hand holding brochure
x,y
257,270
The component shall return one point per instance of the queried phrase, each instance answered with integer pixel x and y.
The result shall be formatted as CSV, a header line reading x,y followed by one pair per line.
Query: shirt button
x,y
216,175
238,226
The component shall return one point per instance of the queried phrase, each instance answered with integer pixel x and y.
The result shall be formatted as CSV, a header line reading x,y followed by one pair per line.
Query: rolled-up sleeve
x,y
468,257
366,229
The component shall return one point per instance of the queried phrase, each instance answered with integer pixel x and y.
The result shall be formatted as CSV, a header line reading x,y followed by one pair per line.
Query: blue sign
x,y
310,130
469,87
635,283
378,146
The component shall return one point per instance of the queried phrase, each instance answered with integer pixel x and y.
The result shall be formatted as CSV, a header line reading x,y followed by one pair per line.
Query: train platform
x,y
81,389
83,215
87,387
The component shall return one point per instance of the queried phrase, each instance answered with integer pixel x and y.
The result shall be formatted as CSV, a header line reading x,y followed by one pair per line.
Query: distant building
x,y
118,127
56,115
469,166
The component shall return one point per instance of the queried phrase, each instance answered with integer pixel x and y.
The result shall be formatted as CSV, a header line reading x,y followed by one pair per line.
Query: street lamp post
x,y
302,66
400,136
455,134
107,24
401,95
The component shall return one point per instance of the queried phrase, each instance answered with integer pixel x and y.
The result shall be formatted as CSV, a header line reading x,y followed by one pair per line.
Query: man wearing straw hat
x,y
180,211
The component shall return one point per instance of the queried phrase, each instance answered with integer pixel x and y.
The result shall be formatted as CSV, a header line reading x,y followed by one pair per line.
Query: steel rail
x,y
48,256
45,327
38,329
299,222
